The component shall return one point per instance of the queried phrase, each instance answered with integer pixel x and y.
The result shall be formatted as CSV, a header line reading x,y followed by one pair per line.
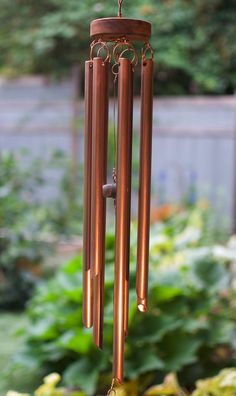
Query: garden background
x,y
189,331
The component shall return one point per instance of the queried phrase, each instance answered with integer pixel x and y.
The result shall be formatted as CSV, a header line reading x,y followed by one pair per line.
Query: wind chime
x,y
112,48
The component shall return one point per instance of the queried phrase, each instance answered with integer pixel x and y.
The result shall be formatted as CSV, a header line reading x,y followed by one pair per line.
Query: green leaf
x,y
179,349
142,361
44,329
165,293
222,331
148,329
83,374
79,340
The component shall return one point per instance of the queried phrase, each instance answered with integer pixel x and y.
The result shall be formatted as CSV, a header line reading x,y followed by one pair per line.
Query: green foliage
x,y
21,229
10,324
29,227
170,387
188,328
223,384
193,41
49,388
65,211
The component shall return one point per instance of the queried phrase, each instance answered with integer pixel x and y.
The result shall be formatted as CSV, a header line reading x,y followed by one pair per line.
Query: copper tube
x,y
99,177
123,198
98,287
144,183
129,170
87,281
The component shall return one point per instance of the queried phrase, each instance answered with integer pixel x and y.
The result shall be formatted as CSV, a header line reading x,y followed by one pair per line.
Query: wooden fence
x,y
194,140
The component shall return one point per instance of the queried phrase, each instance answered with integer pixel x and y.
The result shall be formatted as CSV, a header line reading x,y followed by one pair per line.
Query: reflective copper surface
x,y
99,176
87,281
112,48
144,183
123,193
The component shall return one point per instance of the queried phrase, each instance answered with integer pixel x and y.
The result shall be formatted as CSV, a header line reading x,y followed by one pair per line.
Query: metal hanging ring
x,y
128,48
119,47
115,48
147,48
134,60
103,46
114,70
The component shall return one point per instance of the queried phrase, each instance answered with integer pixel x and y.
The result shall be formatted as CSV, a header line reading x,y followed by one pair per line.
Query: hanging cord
x,y
112,390
115,384
120,8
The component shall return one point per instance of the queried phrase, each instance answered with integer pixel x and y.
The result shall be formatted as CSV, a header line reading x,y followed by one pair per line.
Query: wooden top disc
x,y
110,29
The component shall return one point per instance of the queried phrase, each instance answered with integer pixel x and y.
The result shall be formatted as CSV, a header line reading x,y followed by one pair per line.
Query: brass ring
x,y
147,48
128,47
134,60
113,69
103,46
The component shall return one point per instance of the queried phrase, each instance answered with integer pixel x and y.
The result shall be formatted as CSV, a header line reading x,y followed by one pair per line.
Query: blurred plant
x,y
192,40
49,388
29,226
170,387
223,384
65,211
188,329
22,220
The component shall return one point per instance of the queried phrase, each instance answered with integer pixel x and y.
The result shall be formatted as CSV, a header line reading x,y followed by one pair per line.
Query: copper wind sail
x,y
113,51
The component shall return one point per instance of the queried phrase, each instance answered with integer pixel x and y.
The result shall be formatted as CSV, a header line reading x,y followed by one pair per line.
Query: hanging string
x,y
120,8
112,390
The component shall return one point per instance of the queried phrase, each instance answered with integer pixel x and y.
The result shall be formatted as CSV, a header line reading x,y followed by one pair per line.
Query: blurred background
x,y
189,332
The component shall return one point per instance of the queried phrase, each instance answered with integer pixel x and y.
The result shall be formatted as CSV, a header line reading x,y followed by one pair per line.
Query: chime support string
x,y
111,390
120,8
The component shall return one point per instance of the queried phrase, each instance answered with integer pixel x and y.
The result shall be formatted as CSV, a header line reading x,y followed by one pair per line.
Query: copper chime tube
x,y
129,170
99,176
87,280
144,184
123,198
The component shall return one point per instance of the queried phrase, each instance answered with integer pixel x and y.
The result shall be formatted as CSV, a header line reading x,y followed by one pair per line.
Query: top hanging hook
x,y
120,8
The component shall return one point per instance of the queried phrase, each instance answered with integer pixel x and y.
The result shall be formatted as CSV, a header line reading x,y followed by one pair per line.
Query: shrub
x,y
27,222
22,222
188,329
49,388
223,384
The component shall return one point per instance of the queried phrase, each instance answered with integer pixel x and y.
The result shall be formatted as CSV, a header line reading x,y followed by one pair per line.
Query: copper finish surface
x,y
110,29
144,183
123,197
98,285
113,50
87,281
99,176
